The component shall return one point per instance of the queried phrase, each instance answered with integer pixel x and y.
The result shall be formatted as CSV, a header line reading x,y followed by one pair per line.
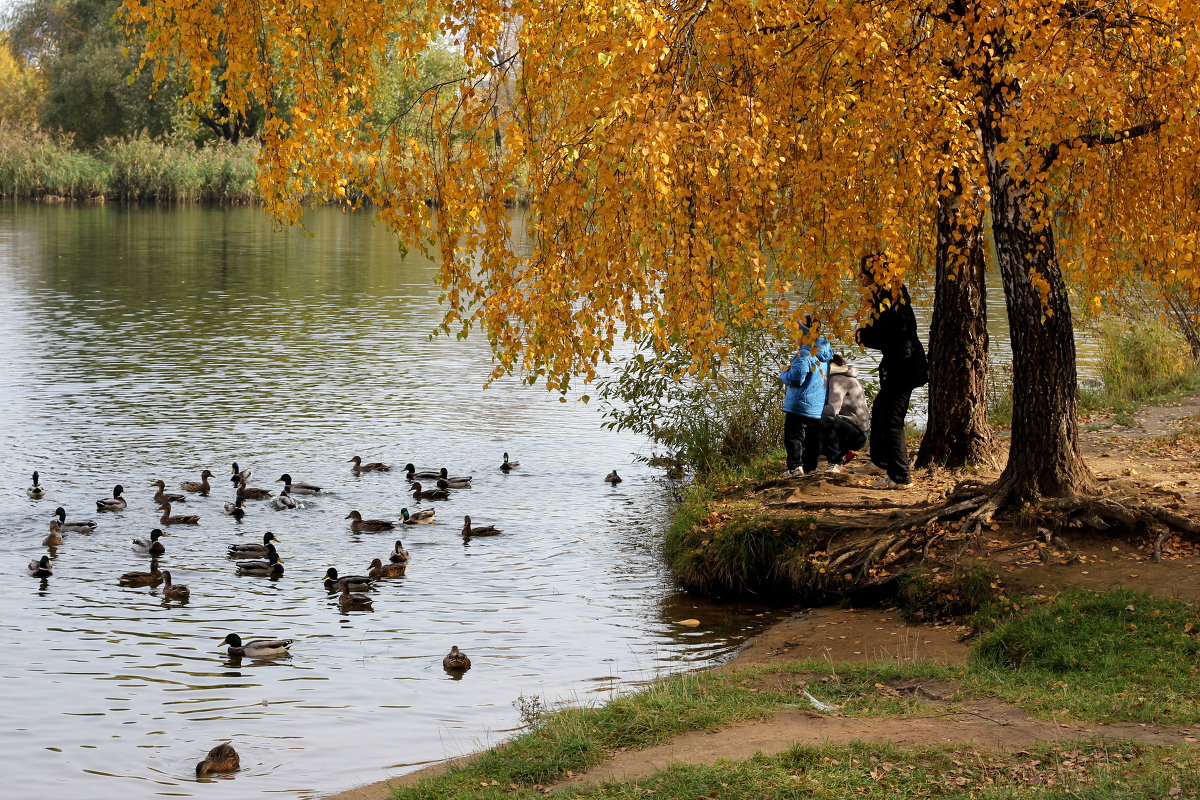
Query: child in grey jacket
x,y
845,418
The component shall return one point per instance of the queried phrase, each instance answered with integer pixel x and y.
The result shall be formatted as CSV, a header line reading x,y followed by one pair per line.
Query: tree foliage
x,y
20,89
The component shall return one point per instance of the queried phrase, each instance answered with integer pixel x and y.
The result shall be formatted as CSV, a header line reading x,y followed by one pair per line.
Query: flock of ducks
x,y
263,559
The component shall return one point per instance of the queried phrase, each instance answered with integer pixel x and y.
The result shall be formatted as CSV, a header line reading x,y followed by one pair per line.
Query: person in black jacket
x,y
892,329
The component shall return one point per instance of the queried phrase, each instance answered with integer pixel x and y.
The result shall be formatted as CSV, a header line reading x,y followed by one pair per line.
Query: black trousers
x,y
839,436
802,441
888,450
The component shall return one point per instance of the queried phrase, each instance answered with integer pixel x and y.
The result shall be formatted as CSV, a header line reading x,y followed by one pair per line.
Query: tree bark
x,y
1043,458
957,433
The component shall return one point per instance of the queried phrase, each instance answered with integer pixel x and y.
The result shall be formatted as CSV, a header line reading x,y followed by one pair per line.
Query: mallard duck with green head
x,y
379,570
114,503
174,591
40,567
414,474
151,546
152,578
162,496
357,523
429,494
333,582
222,758
254,550
424,517
297,487
454,481
271,568
241,474
256,648
236,509
36,491
79,526
399,554
506,465
201,486
285,500
178,519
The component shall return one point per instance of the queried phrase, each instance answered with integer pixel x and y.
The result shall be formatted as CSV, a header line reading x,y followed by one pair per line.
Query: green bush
x,y
927,596
1143,360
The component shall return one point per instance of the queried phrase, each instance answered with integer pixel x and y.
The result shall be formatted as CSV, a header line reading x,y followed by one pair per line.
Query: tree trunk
x,y
1043,457
957,433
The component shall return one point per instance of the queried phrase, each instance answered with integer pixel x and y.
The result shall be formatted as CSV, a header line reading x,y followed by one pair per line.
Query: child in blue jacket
x,y
802,405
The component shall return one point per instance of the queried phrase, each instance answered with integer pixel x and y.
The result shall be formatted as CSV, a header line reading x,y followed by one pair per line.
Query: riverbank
x,y
861,699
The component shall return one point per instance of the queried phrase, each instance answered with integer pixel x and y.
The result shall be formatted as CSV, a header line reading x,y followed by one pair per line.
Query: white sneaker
x,y
797,472
888,483
836,468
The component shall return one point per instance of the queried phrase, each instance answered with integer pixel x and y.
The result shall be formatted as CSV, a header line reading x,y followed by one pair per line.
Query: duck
x,y
456,661
612,478
348,599
179,519
40,568
507,465
414,474
429,494
481,530
418,518
36,491
359,524
161,495
285,500
201,486
295,487
241,474
250,492
454,482
80,526
358,583
222,758
114,503
374,466
152,578
256,648
55,538
271,568
379,570
236,509
399,554
254,550
152,545
174,591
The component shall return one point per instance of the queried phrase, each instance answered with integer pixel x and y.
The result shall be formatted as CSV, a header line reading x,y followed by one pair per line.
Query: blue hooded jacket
x,y
806,380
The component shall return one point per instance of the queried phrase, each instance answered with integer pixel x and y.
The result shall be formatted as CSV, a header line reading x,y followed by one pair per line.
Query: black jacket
x,y
892,329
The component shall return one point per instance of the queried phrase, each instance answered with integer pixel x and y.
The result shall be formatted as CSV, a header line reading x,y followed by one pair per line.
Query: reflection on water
x,y
151,344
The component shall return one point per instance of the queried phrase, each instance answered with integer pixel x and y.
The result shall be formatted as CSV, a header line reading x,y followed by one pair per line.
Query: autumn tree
x,y
20,89
689,163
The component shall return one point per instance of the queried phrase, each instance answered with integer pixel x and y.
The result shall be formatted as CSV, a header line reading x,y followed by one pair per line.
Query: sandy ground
x,y
1139,457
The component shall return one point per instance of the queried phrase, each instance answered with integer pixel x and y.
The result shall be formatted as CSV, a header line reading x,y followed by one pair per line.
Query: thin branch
x,y
1101,139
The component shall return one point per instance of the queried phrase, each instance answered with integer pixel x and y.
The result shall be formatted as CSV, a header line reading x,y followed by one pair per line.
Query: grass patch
x,y
1140,365
1115,656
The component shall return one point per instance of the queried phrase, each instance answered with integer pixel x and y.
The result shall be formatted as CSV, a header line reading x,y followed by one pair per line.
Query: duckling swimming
x,y
271,568
482,530
374,466
179,519
174,591
456,661
256,648
201,486
152,545
297,487
429,494
161,495
40,568
254,550
379,570
419,518
222,758
358,583
36,491
114,503
359,524
152,578
78,526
